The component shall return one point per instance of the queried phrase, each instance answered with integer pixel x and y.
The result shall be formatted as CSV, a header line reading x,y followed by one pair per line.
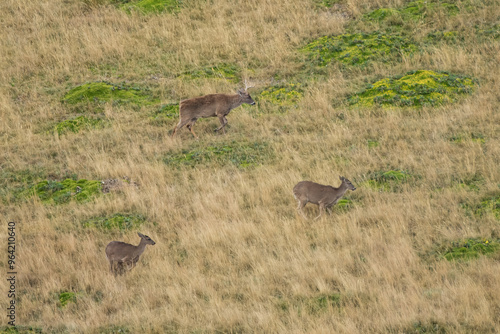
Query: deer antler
x,y
246,85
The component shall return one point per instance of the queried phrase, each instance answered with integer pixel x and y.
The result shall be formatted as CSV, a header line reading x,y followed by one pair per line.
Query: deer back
x,y
208,105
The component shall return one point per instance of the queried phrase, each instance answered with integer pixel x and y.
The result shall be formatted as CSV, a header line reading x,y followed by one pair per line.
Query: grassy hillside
x,y
399,97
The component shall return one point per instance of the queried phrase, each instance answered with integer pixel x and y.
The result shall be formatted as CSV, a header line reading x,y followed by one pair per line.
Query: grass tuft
x,y
63,192
118,221
102,92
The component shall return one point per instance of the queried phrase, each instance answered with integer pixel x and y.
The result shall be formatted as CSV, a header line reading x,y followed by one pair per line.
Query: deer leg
x,y
180,125
299,208
329,210
321,210
223,122
190,127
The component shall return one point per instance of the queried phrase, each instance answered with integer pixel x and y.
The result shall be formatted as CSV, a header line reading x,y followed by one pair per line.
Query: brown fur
x,y
324,196
212,105
123,257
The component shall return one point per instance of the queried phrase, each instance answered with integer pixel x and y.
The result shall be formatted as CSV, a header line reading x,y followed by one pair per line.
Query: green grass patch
x,y
415,10
20,330
414,89
464,137
63,192
470,182
77,124
224,71
372,143
487,205
491,32
436,37
152,6
358,48
281,96
102,92
66,297
468,249
165,114
387,180
118,221
240,154
311,305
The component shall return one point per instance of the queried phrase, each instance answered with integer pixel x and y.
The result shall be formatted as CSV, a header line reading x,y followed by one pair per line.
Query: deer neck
x,y
236,101
342,189
140,248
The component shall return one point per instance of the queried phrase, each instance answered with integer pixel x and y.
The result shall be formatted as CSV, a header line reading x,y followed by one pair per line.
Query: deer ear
x,y
341,178
140,235
241,92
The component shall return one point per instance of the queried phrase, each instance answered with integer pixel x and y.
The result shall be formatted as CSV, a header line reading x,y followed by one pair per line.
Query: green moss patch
x,y
237,153
152,6
77,124
468,249
358,49
117,221
64,191
102,92
387,180
311,305
414,89
66,297
224,71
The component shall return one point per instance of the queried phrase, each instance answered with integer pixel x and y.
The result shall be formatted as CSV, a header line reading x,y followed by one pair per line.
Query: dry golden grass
x,y
231,254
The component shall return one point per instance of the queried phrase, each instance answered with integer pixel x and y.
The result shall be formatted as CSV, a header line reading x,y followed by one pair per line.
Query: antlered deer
x,y
212,105
324,196
123,256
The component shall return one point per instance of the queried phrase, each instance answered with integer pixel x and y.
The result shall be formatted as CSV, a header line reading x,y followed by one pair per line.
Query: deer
x,y
124,257
212,105
324,196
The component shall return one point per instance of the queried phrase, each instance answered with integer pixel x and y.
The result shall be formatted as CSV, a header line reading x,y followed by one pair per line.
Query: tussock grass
x,y
231,253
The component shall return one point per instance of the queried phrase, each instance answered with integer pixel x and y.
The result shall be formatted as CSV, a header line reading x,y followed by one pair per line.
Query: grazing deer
x,y
123,257
325,196
212,105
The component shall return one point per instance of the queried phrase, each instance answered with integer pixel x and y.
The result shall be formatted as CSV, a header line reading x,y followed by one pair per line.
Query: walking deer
x,y
212,105
324,196
123,257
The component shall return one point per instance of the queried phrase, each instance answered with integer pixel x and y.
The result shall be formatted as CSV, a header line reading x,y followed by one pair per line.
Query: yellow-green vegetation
x,y
54,192
280,97
78,123
118,221
468,249
101,92
388,180
65,297
232,254
358,48
414,89
241,154
415,10
224,71
152,6
488,205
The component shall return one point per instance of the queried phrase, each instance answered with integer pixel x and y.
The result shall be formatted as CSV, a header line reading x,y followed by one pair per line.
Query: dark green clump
x,y
152,6
414,89
464,137
117,221
358,48
387,180
65,298
63,192
236,153
101,92
468,249
311,305
224,71
77,124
